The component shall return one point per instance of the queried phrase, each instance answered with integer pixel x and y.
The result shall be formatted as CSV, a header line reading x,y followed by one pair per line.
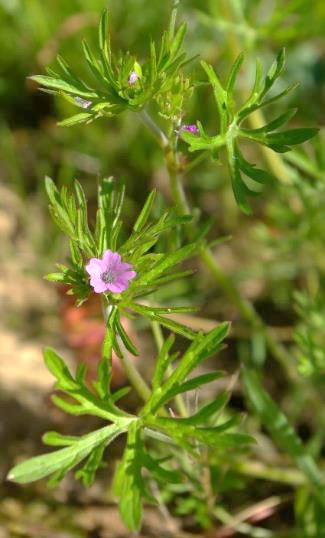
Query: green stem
x,y
154,128
177,191
135,378
158,335
290,476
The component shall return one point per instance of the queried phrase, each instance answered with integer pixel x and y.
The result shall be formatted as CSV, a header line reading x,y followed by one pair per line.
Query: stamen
x,y
107,277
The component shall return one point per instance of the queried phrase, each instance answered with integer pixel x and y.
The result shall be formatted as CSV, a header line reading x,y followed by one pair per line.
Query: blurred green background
x,y
279,249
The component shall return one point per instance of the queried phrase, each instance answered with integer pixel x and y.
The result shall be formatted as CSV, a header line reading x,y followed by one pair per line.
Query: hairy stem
x,y
135,378
177,191
154,128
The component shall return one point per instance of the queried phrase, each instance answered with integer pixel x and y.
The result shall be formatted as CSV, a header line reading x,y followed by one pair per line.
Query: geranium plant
x,y
167,443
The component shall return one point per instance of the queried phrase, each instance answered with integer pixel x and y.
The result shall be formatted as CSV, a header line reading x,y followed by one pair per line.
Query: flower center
x,y
108,277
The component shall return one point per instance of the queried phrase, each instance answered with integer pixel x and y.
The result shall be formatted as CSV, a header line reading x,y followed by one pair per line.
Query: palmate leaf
x,y
244,112
65,458
168,261
279,141
277,122
59,370
69,211
203,346
291,137
221,97
239,165
240,189
145,239
258,175
160,473
81,400
231,131
261,87
66,69
204,413
204,428
181,388
174,326
207,436
273,73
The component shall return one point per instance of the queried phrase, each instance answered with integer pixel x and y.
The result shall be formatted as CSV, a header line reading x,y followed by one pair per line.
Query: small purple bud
x,y
83,102
133,78
190,128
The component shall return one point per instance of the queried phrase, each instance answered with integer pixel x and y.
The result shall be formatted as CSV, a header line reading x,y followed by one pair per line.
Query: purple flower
x,y
109,273
133,78
190,128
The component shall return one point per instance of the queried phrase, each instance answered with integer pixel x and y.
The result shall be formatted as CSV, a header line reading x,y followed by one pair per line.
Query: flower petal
x,y
120,272
128,275
118,286
125,266
107,258
94,267
98,285
115,262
